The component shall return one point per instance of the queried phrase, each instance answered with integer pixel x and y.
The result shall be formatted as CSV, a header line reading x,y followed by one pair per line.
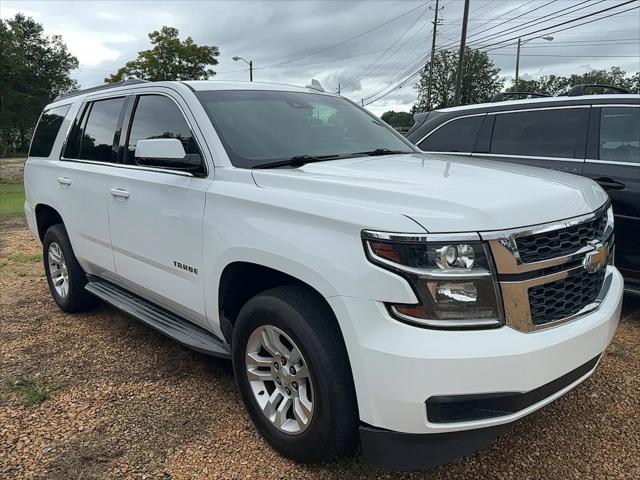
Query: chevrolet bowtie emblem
x,y
597,259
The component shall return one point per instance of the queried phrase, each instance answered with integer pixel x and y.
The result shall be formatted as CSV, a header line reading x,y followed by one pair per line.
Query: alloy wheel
x,y
279,378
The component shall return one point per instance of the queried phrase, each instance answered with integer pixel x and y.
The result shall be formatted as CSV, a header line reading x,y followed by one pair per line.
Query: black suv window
x,y
96,135
47,130
157,116
458,135
620,134
557,132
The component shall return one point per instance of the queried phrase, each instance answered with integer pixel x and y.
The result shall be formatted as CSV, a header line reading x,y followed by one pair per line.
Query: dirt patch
x,y
12,169
134,404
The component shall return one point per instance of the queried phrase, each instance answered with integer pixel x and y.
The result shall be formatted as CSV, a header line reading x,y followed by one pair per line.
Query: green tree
x,y
170,59
34,68
400,120
480,79
557,85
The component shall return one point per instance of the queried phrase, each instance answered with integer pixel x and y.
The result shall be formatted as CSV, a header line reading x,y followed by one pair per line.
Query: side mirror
x,y
160,149
167,153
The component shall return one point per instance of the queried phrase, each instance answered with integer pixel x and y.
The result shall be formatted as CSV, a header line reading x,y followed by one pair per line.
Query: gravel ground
x,y
133,404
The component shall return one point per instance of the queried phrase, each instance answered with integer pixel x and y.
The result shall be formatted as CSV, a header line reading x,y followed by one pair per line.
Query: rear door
x,y
551,137
89,158
613,160
156,213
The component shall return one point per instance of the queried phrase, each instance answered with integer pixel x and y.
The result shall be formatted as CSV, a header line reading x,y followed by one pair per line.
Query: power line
x,y
351,38
410,75
570,21
356,77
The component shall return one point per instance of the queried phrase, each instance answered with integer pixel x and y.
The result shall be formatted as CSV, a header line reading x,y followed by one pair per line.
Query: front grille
x,y
560,299
556,243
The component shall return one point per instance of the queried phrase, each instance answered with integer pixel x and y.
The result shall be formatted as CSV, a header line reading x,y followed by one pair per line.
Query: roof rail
x,y
580,89
502,96
129,81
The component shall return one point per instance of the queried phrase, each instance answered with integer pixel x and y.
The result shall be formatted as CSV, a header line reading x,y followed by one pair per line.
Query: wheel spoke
x,y
55,254
281,412
58,280
301,411
254,359
272,404
273,344
255,374
302,372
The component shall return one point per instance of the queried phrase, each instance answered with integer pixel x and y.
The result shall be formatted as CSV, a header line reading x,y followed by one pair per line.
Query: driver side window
x,y
157,116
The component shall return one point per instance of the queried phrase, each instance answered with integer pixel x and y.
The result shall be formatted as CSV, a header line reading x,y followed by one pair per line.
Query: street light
x,y
548,38
250,63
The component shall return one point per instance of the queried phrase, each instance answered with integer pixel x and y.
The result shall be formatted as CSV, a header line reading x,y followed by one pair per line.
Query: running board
x,y
156,317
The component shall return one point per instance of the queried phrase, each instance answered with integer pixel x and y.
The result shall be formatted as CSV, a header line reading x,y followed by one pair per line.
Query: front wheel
x,y
293,373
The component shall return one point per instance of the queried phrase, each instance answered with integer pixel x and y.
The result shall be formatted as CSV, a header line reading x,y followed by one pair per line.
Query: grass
x,y
33,390
11,198
20,257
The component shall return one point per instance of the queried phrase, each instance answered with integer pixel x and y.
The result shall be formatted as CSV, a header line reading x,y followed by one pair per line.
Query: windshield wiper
x,y
382,151
297,161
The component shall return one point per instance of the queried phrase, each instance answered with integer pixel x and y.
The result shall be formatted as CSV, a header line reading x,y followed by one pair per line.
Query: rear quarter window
x,y
47,131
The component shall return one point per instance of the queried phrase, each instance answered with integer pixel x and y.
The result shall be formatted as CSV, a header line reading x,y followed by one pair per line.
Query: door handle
x,y
119,193
609,184
64,181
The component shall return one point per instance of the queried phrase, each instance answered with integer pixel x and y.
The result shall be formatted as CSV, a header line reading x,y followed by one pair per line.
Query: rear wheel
x,y
293,374
64,274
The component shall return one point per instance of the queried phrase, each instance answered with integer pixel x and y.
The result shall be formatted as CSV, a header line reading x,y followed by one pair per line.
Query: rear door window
x,y
458,135
97,137
47,131
620,134
559,132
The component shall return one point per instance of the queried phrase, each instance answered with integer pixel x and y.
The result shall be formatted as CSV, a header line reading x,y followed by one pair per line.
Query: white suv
x,y
362,289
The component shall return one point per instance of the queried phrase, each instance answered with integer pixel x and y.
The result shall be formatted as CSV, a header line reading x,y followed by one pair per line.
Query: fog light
x,y
456,292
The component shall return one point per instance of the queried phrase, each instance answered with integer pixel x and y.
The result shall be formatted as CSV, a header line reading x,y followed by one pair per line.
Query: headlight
x,y
452,276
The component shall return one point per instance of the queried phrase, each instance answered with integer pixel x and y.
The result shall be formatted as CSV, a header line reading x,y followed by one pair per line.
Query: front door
x,y
155,215
614,162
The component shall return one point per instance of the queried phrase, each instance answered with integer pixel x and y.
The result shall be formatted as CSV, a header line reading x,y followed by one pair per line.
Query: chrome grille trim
x,y
515,291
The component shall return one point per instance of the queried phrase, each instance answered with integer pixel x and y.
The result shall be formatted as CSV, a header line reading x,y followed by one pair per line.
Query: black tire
x,y
77,298
308,321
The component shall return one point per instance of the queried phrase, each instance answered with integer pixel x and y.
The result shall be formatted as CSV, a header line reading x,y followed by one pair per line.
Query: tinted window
x,y
47,130
98,135
157,116
620,134
543,133
261,127
456,136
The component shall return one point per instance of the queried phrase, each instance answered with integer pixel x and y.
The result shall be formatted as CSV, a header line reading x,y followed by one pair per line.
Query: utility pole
x,y
433,53
362,102
338,88
517,64
463,40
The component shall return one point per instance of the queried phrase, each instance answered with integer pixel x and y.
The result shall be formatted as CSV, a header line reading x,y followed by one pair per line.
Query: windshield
x,y
258,127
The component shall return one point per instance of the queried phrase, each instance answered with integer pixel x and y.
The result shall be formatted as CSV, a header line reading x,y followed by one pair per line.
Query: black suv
x,y
597,136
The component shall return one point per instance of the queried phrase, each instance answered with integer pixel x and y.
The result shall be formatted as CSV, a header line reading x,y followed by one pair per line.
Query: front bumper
x,y
397,368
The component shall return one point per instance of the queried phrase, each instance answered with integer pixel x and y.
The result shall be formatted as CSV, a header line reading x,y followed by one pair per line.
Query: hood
x,y
443,193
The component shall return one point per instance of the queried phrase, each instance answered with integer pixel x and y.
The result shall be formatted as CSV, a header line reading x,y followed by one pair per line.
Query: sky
x,y
363,46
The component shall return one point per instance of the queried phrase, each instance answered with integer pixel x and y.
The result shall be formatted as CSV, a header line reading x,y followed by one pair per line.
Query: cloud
x,y
288,40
